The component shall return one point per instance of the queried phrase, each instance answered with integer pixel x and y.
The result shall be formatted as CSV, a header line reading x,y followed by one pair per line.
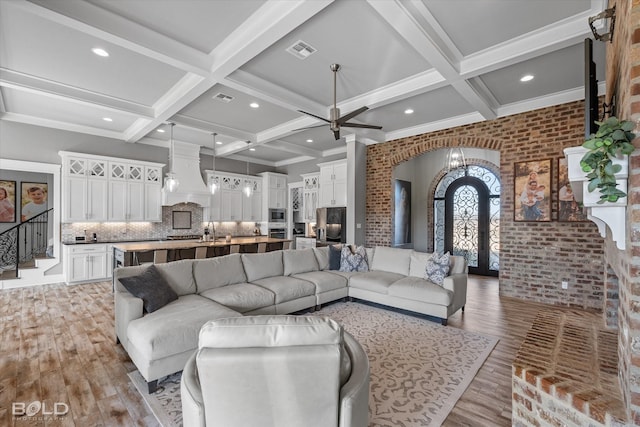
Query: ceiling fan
x,y
335,121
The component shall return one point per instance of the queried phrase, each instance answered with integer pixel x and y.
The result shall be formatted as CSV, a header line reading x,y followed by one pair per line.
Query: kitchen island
x,y
135,253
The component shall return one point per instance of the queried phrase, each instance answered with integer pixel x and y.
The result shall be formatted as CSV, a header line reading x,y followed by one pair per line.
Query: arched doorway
x,y
467,218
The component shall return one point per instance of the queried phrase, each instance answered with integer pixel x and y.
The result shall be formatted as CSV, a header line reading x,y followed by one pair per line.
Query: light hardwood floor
x,y
58,345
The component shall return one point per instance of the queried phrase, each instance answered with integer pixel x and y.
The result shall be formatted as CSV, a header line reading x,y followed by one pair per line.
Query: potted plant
x,y
612,140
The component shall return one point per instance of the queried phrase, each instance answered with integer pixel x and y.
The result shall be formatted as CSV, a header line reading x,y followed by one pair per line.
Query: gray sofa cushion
x,y
259,266
418,289
375,281
241,297
179,275
151,287
322,256
299,261
394,260
220,271
323,280
174,329
287,288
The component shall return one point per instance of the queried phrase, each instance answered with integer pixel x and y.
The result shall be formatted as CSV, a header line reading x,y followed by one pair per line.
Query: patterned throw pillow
x,y
437,268
355,260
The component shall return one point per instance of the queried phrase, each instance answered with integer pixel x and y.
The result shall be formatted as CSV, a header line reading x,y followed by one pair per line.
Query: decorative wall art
x,y
33,199
403,213
568,208
532,190
7,201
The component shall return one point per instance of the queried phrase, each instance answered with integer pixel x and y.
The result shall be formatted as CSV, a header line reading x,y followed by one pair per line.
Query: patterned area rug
x,y
419,369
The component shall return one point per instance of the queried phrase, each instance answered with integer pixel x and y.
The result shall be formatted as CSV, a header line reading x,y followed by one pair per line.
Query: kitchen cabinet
x,y
276,193
311,186
333,184
252,205
231,198
87,262
84,190
97,189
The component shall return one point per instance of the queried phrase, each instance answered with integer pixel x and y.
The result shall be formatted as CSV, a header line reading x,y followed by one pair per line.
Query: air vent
x,y
301,50
222,97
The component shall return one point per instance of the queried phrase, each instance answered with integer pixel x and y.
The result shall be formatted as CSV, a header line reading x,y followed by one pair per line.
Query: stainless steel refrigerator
x,y
331,225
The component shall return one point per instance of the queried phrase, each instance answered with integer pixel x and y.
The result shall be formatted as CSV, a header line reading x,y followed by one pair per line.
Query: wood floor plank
x,y
58,342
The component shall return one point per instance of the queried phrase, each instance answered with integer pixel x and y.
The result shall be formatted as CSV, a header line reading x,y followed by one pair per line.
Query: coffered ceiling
x,y
200,64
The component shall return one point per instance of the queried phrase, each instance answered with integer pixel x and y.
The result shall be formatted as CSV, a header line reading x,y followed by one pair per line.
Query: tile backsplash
x,y
133,231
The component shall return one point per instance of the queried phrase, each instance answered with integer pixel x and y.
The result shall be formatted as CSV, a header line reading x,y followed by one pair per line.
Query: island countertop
x,y
186,244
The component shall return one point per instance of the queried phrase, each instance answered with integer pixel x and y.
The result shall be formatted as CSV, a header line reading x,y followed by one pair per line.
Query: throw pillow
x,y
335,252
355,260
437,268
151,287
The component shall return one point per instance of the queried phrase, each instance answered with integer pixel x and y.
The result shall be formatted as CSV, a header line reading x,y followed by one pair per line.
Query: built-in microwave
x,y
277,215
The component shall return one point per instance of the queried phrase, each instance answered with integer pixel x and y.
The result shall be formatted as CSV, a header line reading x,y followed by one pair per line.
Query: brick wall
x,y
535,256
623,72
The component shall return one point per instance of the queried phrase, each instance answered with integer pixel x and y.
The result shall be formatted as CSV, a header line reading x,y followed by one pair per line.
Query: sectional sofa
x,y
279,282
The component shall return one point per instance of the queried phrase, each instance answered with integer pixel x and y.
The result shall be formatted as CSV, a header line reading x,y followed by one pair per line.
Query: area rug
x,y
419,369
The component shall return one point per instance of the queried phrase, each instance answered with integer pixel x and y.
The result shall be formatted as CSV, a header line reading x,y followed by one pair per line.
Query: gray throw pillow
x,y
151,287
354,261
335,252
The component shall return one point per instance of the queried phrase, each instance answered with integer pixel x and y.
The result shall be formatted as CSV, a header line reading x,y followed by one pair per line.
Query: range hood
x,y
186,167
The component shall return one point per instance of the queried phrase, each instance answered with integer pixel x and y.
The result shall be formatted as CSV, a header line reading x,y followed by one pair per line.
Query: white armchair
x,y
276,371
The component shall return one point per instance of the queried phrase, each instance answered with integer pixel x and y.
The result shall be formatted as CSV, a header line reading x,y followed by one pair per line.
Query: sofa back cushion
x,y
220,271
418,263
299,261
179,275
259,266
393,260
322,256
457,265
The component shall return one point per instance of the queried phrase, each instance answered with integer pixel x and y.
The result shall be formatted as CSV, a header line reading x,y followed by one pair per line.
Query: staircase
x,y
25,255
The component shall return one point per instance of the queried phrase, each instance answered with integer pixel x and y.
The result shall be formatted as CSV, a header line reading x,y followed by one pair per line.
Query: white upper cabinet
x,y
276,193
311,188
333,184
97,189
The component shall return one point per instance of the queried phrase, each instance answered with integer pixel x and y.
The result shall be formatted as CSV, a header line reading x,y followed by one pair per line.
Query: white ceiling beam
x,y
252,160
266,26
3,107
556,36
115,29
294,148
292,161
411,20
462,120
210,127
55,124
39,86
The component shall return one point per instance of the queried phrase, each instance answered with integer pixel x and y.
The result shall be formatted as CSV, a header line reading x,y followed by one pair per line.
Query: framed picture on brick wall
x,y
568,208
532,191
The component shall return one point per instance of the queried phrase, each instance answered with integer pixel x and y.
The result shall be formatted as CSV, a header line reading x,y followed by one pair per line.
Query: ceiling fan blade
x,y
313,115
358,125
336,134
352,114
308,127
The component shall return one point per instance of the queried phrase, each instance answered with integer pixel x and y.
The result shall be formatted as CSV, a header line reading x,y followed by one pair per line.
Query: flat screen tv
x,y
590,90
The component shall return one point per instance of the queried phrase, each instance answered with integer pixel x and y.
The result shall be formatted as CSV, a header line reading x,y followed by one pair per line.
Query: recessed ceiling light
x,y
218,142
161,130
252,149
254,105
100,52
526,78
107,119
408,111
309,140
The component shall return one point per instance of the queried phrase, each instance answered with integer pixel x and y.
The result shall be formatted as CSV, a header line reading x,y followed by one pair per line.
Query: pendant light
x,y
247,184
171,182
455,159
212,182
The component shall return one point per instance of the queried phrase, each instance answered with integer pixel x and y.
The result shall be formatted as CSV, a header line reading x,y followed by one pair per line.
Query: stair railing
x,y
24,241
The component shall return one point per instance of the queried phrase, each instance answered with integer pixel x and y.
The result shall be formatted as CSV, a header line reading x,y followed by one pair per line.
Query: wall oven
x,y
277,233
277,215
